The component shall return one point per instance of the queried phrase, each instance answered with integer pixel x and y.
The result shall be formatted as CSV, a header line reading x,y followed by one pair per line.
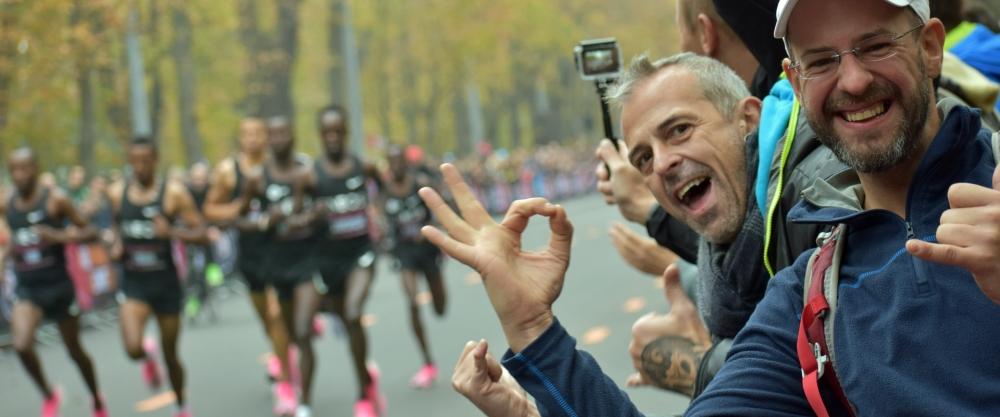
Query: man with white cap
x,y
917,314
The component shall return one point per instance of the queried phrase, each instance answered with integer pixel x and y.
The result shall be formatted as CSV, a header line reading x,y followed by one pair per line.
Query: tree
x,y
185,71
271,54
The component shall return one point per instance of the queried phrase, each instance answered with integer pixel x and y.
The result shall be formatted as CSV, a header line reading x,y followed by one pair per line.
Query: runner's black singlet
x,y
406,213
344,244
252,244
290,258
36,263
347,200
145,256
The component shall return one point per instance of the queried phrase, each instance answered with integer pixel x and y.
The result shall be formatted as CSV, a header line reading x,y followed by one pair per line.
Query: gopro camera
x,y
598,59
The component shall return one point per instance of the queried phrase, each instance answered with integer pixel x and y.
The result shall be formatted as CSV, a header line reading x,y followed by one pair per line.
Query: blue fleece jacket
x,y
912,338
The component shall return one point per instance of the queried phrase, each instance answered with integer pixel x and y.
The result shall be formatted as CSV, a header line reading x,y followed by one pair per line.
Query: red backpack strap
x,y
813,351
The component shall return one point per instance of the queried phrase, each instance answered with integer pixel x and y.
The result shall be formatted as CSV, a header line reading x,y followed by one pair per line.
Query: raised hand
x,y
667,349
969,235
481,379
521,285
642,252
625,188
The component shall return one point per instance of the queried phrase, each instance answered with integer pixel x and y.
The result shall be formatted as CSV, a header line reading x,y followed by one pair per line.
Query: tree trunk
x,y
85,92
85,148
270,56
251,39
186,84
8,50
337,73
285,51
156,73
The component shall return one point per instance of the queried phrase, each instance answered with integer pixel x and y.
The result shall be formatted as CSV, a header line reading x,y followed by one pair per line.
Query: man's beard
x,y
867,159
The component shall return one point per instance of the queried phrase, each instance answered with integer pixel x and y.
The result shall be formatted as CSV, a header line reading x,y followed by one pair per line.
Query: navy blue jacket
x,y
911,337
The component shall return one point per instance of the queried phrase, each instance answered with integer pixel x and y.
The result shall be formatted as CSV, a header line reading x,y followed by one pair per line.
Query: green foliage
x,y
417,59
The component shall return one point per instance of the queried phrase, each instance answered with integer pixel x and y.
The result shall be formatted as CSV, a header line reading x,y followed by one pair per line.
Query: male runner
x,y
222,207
406,214
37,218
345,254
199,256
150,212
276,191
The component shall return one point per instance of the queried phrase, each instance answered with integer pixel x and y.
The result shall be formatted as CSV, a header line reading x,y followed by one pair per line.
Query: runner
x,y
406,214
290,267
345,254
222,207
200,261
36,216
150,213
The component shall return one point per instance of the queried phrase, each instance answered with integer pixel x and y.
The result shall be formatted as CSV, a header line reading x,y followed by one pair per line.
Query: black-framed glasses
x,y
880,47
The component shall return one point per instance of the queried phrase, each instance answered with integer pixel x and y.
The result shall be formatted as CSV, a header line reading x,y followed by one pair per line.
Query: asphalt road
x,y
601,299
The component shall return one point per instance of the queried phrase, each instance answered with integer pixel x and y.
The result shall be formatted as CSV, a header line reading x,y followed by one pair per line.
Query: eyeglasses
x,y
876,48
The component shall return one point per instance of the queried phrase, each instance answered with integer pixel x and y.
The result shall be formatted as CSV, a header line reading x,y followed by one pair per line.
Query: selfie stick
x,y
609,130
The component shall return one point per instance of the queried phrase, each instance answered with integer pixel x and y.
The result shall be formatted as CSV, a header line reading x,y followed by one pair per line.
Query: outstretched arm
x,y
522,286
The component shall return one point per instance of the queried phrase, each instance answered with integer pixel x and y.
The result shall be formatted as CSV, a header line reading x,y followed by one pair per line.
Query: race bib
x,y
348,225
32,257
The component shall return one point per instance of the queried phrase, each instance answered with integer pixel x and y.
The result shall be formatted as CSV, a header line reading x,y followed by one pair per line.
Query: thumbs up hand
x,y
667,349
969,235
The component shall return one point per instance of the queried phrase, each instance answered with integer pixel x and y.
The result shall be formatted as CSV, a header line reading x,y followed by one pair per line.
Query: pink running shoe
x,y
273,367
364,408
50,406
372,393
285,402
425,377
319,326
183,413
101,412
150,368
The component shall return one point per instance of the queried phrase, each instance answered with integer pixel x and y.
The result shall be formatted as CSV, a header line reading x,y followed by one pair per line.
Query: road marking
x,y
155,402
596,335
634,304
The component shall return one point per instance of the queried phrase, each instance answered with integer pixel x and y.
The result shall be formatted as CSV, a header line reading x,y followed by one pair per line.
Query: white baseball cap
x,y
785,8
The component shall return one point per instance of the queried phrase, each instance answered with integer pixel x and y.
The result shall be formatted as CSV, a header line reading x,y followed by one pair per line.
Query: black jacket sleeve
x,y
673,234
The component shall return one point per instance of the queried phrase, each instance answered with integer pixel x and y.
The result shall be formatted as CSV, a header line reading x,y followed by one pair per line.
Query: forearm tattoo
x,y
671,363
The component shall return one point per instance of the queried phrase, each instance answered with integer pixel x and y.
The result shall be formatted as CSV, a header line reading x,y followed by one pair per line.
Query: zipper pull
x,y
909,231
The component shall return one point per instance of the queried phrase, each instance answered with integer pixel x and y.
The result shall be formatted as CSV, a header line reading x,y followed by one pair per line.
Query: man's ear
x,y
708,35
932,44
748,112
793,77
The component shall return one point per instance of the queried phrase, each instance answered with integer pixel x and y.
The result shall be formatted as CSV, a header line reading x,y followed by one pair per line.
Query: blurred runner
x,y
37,217
150,213
406,214
222,207
344,251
